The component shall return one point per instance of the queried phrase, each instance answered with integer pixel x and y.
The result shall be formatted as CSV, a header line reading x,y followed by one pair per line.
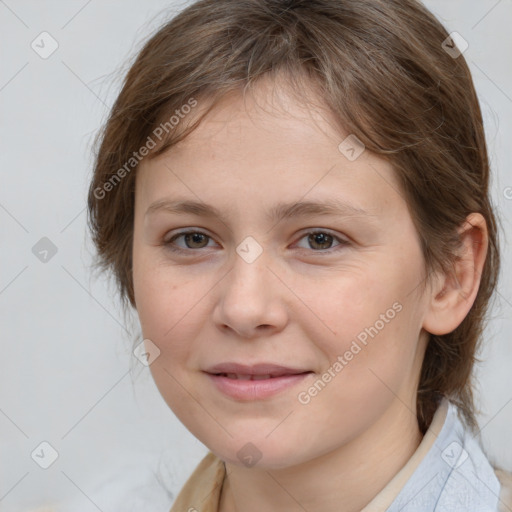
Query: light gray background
x,y
65,373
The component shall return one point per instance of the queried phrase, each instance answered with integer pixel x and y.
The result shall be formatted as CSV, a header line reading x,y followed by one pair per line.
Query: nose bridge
x,y
249,278
249,294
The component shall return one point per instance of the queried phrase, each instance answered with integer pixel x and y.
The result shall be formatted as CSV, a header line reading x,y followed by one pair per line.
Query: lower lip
x,y
256,389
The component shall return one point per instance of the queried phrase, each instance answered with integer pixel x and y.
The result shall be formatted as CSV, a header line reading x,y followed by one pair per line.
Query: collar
x,y
448,472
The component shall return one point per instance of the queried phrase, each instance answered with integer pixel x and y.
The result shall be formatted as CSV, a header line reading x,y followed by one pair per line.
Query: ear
x,y
452,296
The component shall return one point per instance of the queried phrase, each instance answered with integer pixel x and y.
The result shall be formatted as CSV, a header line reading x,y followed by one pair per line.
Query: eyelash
x,y
169,243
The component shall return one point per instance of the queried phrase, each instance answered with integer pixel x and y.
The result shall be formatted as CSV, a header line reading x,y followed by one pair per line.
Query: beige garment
x,y
386,497
202,491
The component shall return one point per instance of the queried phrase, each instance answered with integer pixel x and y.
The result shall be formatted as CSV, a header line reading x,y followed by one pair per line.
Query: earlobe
x,y
452,295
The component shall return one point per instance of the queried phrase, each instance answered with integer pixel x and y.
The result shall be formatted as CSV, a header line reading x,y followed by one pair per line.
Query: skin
x,y
299,304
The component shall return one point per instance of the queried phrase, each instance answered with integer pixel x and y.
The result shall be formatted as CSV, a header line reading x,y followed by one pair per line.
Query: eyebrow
x,y
281,211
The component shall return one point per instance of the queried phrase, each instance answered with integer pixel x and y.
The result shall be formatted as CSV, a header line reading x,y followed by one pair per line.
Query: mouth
x,y
258,382
237,376
264,370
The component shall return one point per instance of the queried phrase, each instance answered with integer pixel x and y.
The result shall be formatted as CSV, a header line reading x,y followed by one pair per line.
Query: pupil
x,y
196,238
321,238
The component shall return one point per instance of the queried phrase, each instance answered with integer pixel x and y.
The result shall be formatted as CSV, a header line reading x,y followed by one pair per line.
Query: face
x,y
332,294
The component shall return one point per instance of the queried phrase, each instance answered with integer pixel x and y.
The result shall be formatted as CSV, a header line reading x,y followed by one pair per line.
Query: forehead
x,y
264,110
266,145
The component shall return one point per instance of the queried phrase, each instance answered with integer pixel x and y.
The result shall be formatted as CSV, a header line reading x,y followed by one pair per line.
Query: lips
x,y
258,382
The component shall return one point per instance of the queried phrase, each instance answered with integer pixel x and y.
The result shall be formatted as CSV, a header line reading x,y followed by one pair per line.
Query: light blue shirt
x,y
454,476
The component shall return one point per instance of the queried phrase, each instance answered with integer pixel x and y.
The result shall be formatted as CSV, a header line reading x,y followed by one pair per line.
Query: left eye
x,y
320,241
191,237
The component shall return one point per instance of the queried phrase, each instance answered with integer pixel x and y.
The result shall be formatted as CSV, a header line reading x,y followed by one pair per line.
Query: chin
x,y
260,454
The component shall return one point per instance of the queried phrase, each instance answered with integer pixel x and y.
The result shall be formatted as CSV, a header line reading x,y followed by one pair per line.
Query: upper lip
x,y
256,369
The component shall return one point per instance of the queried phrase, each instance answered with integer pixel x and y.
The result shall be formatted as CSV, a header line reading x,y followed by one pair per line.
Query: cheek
x,y
370,319
168,307
172,308
367,365
163,296
344,303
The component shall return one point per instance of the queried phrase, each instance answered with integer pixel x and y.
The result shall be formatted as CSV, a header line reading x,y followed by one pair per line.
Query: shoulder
x,y
202,489
505,478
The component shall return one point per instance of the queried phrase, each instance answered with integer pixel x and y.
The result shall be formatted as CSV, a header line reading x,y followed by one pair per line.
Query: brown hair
x,y
382,69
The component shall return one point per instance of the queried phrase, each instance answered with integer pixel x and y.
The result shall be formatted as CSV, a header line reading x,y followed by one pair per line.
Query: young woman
x,y
294,196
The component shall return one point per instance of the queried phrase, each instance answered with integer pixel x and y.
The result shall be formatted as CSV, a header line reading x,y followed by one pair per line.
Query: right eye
x,y
192,239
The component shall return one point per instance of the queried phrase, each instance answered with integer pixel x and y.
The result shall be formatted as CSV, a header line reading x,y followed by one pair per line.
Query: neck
x,y
352,474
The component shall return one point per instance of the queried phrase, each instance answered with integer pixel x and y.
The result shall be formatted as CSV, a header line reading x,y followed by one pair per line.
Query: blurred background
x,y
73,397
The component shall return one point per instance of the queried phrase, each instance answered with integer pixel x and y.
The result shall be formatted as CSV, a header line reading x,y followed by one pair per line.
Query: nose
x,y
251,300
